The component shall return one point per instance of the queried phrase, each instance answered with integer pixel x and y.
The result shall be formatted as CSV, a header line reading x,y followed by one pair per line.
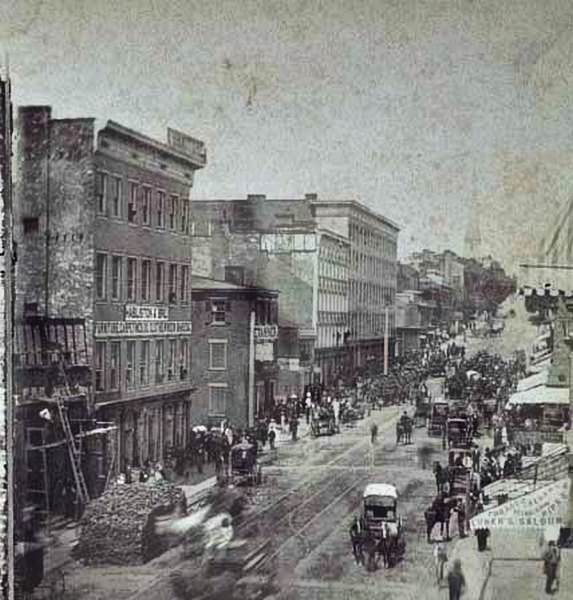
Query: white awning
x,y
539,509
540,366
533,381
540,395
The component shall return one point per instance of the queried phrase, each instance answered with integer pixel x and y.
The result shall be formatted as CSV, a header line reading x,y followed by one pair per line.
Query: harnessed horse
x,y
404,431
439,512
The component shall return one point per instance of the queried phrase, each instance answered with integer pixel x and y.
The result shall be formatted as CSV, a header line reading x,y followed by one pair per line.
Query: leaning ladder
x,y
73,450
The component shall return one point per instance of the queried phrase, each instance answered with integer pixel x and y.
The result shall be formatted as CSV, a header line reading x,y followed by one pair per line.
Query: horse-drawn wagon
x,y
438,416
458,433
382,531
322,422
245,467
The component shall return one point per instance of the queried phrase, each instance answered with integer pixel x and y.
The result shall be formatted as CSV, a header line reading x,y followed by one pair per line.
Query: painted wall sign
x,y
266,333
136,312
140,328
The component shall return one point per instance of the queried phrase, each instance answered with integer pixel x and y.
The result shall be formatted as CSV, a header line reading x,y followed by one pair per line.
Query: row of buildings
x,y
148,312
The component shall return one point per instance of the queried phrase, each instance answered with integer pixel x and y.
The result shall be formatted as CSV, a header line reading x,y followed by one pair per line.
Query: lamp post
x,y
569,342
386,327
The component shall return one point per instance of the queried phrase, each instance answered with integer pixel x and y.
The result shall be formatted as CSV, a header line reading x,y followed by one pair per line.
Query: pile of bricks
x,y
119,527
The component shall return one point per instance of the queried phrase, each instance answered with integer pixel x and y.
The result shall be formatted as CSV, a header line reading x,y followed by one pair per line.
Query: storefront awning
x,y
533,381
547,505
540,395
540,366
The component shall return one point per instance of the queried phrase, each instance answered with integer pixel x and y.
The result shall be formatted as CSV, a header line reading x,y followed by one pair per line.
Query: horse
x,y
442,477
404,431
357,538
388,545
438,513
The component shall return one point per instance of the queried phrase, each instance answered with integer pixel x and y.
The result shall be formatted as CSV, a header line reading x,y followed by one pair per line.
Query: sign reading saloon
x,y
135,312
266,333
115,329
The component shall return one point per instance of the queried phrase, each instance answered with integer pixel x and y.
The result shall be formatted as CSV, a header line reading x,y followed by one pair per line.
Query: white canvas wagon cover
x,y
380,489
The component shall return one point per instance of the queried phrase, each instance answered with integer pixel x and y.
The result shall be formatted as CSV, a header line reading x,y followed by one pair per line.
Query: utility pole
x,y
251,414
386,327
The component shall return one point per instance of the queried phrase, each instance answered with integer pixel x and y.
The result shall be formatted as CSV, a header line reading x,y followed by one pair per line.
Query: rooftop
x,y
207,283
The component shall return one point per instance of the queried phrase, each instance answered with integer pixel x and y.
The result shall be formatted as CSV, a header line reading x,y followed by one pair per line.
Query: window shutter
x,y
209,312
228,308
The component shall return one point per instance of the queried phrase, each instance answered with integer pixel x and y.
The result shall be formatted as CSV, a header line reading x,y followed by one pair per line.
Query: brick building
x,y
222,359
334,264
102,226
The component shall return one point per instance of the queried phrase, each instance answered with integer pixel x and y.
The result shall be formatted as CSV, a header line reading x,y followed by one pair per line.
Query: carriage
x,y
245,467
381,524
322,422
438,417
458,433
422,412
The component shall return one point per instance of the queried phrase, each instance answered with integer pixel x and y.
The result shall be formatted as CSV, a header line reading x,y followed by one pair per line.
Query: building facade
x,y
332,317
229,346
372,282
103,230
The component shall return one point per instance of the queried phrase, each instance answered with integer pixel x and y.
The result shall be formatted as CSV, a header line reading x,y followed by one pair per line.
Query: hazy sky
x,y
420,109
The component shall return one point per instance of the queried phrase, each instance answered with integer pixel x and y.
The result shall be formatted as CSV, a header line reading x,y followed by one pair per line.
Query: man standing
x,y
456,580
551,560
373,433
308,407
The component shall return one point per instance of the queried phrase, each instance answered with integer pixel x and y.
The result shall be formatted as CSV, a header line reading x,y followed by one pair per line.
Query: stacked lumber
x,y
118,528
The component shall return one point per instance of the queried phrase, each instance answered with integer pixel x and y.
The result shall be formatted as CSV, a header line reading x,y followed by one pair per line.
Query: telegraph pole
x,y
386,327
251,415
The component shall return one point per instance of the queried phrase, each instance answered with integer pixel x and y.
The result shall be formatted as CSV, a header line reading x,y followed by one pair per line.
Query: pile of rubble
x,y
118,528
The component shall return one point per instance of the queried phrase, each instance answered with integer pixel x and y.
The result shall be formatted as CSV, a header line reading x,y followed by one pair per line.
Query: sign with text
x,y
266,333
136,312
104,329
265,352
540,508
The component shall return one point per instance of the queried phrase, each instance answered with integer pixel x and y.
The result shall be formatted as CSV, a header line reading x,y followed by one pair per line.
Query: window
x,y
132,201
183,359
101,189
159,281
131,278
114,364
116,277
184,217
173,206
184,282
218,311
100,277
146,206
171,359
172,284
160,207
116,196
130,365
218,355
100,366
144,363
218,399
159,361
145,279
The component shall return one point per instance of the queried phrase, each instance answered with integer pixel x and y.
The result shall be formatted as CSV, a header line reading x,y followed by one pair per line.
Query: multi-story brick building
x,y
102,226
234,370
334,264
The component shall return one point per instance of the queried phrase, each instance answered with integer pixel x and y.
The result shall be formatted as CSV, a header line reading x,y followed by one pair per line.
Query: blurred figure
x,y
456,580
373,433
551,560
440,558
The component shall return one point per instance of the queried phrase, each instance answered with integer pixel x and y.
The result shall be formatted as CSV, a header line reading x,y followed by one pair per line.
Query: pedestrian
x,y
456,580
551,560
294,428
308,407
482,534
272,437
440,559
373,433
461,510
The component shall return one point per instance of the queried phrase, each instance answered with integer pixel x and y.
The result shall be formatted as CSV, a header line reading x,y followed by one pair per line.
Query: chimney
x,y
311,197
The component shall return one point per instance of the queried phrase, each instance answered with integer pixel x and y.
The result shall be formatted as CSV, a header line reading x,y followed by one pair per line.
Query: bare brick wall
x,y
236,332
55,186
